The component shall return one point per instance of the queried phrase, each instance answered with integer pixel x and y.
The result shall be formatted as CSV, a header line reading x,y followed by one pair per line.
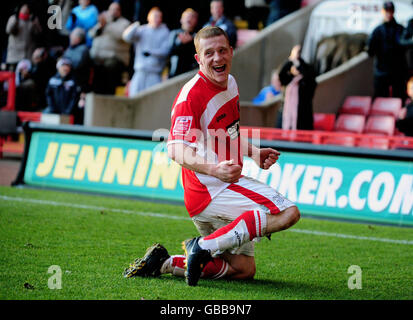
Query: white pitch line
x,y
89,207
168,216
349,236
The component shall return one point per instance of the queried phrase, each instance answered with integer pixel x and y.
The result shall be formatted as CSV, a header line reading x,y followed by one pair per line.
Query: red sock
x,y
178,261
247,226
215,269
175,265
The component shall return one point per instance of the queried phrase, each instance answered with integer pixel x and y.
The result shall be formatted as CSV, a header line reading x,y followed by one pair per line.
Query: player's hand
x,y
227,171
267,157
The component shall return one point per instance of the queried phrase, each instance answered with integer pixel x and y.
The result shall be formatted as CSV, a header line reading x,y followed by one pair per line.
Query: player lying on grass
x,y
228,209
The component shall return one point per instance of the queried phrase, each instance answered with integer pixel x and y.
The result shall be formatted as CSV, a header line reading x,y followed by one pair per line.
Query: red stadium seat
x,y
350,123
386,106
346,141
373,142
324,121
398,133
383,125
11,94
356,105
29,116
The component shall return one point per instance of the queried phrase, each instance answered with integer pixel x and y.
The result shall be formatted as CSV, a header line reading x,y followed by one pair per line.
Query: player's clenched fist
x,y
227,171
266,158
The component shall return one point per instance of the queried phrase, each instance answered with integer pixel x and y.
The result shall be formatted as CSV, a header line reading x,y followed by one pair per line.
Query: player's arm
x,y
187,157
264,157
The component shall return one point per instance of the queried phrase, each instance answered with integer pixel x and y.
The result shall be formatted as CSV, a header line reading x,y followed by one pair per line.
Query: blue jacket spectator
x,y
85,16
62,92
218,19
270,91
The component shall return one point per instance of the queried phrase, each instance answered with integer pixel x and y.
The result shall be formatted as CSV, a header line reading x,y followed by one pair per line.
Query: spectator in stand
x,y
25,88
256,12
281,8
270,91
62,92
109,52
405,122
407,41
182,48
84,16
218,19
390,69
22,28
43,68
151,51
78,54
299,80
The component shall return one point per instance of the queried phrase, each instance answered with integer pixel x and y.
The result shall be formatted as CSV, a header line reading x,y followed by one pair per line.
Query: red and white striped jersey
x,y
206,117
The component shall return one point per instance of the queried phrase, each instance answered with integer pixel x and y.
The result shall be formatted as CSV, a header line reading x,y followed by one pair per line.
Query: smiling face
x,y
214,56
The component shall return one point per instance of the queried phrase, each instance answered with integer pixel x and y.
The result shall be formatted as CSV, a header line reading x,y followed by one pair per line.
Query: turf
x,y
93,245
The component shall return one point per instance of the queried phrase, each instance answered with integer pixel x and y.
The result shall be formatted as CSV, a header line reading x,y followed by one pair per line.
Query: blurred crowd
x,y
390,45
62,49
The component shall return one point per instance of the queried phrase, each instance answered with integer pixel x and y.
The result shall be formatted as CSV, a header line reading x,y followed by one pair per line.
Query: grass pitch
x,y
93,238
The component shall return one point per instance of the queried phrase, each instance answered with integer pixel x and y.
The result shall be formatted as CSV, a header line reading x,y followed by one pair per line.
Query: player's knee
x,y
295,215
292,216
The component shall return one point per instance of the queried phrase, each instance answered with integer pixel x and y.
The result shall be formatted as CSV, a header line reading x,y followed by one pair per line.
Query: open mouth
x,y
219,69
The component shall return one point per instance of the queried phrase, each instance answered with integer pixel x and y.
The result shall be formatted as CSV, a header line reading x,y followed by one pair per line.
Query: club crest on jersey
x,y
182,125
233,130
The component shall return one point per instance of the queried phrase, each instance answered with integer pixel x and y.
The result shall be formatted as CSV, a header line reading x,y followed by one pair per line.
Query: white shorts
x,y
245,195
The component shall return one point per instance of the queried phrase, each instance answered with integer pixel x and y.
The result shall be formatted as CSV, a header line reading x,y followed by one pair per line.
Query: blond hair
x,y
206,33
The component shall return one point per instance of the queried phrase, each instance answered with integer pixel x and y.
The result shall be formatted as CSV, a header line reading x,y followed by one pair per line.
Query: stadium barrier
x,y
151,109
325,181
348,139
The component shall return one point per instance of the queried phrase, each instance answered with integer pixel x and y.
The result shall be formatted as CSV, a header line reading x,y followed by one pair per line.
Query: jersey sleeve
x,y
185,125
